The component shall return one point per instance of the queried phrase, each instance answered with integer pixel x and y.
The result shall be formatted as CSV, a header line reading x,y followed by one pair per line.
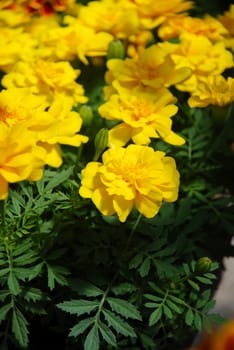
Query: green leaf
x,y
85,288
81,327
203,280
78,307
59,179
176,300
33,294
152,305
197,321
107,334
56,274
156,288
4,311
153,297
173,306
4,271
118,324
167,311
123,288
193,285
136,261
25,259
124,308
145,267
13,284
35,271
4,294
189,317
19,328
92,340
155,316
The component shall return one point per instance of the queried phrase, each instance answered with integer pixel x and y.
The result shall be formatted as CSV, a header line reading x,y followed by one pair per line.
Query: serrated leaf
x,y
59,179
136,261
4,311
81,327
13,284
35,271
107,334
155,316
33,294
78,307
56,274
186,269
145,267
92,340
197,321
85,288
19,328
124,308
25,259
189,317
209,305
4,271
167,311
118,324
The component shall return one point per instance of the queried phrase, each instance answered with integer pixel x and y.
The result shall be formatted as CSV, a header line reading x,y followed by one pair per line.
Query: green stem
x,y
2,216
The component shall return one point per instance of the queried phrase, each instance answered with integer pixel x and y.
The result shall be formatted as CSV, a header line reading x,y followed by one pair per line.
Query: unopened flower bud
x,y
116,50
100,142
203,265
86,114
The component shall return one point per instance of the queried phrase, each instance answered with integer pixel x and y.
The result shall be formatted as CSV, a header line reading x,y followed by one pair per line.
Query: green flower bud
x,y
203,265
116,50
86,114
100,142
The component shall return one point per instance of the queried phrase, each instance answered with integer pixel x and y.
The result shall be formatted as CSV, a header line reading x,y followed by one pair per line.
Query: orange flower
x,y
219,339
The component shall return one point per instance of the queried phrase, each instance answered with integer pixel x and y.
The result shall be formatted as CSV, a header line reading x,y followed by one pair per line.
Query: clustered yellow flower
x,y
41,88
132,176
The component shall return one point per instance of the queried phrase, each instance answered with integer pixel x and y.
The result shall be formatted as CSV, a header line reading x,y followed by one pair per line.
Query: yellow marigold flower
x,y
46,78
153,13
201,56
144,116
15,46
213,90
19,157
50,127
46,7
153,68
13,18
86,41
227,19
208,26
118,18
132,176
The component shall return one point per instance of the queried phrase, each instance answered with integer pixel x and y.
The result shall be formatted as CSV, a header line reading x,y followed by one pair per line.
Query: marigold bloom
x,y
220,339
227,19
132,176
213,90
46,78
208,26
118,18
16,45
153,68
153,13
201,56
50,127
144,115
20,159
